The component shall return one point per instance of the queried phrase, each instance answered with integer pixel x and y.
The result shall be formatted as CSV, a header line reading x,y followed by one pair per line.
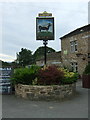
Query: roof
x,y
52,56
77,31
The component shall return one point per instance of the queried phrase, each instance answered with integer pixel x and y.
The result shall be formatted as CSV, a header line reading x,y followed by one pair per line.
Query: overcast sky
x,y
19,24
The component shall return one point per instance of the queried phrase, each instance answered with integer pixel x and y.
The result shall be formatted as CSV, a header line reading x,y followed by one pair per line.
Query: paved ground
x,y
77,107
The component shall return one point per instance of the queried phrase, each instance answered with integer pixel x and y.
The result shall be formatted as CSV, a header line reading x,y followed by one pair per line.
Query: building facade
x,y
75,49
53,58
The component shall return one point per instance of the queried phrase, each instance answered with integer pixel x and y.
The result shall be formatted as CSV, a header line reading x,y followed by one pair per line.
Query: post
x,y
45,42
45,29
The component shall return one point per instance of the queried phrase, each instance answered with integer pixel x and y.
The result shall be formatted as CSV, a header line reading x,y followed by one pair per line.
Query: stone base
x,y
47,93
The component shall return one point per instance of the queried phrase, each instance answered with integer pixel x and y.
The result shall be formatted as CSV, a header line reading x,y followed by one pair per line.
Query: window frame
x,y
74,66
73,46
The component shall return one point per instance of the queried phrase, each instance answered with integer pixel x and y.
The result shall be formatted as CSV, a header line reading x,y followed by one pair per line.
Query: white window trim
x,y
74,66
73,45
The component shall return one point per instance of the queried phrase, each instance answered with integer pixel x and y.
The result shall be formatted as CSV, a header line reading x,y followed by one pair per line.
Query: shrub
x,y
50,76
25,75
87,69
69,77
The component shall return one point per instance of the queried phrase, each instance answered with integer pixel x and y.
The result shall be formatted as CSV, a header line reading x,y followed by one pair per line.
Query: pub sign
x,y
45,28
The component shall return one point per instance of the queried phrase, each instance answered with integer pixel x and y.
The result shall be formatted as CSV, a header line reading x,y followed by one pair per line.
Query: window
x,y
88,55
74,66
73,46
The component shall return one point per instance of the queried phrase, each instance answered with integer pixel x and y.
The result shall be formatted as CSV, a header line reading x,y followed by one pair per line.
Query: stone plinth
x,y
53,92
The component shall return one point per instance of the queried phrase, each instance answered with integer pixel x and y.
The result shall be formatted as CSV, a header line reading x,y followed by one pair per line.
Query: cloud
x,y
19,23
4,57
13,1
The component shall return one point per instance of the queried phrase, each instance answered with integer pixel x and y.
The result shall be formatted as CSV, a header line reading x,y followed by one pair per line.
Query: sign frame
x,y
45,28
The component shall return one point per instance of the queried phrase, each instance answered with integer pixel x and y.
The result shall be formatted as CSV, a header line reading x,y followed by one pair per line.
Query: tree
x,y
24,57
5,64
40,52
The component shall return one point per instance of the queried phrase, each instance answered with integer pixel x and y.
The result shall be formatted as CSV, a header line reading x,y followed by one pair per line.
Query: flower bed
x,y
53,92
48,83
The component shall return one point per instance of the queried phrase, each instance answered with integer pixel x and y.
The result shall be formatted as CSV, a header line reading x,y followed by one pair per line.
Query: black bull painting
x,y
45,28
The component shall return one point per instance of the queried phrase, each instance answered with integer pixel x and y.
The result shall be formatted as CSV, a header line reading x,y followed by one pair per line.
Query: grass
x,y
43,35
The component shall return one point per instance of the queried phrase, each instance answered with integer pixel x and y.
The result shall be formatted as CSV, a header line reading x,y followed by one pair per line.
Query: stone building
x,y
53,58
75,49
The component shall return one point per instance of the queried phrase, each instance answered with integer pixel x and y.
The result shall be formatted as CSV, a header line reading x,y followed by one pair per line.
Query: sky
x,y
18,23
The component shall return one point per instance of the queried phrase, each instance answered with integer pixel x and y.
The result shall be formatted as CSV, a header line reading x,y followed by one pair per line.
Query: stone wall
x,y
53,92
69,57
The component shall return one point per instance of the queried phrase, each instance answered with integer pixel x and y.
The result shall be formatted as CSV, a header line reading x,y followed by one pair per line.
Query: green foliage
x,y
25,57
45,34
40,52
25,75
69,77
50,75
87,69
5,64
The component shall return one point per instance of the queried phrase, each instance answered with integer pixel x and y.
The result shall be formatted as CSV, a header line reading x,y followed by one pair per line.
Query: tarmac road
x,y
77,107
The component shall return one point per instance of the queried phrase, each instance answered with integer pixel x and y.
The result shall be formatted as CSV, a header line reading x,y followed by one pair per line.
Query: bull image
x,y
44,27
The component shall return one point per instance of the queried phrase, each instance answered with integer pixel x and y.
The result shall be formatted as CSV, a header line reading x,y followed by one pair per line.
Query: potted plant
x,y
86,77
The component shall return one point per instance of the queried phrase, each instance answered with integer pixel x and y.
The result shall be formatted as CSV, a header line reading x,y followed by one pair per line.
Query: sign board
x,y
45,28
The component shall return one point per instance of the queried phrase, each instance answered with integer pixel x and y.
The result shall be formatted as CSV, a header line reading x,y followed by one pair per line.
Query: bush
x,y
50,76
87,69
69,77
25,75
